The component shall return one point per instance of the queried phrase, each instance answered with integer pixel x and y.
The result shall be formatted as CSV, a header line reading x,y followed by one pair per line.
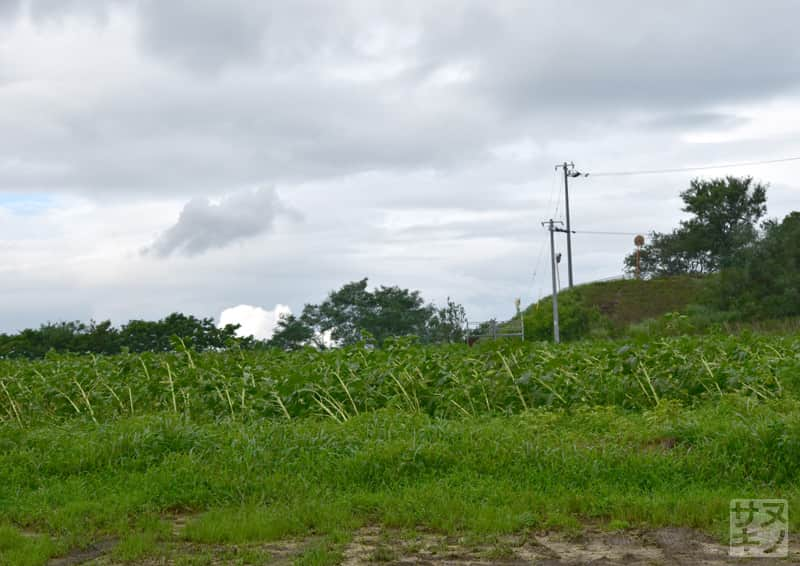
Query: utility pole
x,y
569,171
554,266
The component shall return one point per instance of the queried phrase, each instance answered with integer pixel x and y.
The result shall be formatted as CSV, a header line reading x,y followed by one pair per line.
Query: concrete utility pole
x,y
554,266
569,171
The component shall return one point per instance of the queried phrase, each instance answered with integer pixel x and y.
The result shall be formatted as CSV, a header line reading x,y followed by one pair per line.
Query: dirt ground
x,y
668,546
662,546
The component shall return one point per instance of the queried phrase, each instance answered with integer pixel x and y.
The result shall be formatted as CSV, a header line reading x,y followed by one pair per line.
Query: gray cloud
x,y
623,55
694,121
203,35
316,91
8,10
418,139
48,11
203,225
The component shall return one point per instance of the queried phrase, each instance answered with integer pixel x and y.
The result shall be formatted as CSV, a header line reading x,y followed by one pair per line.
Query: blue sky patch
x,y
26,203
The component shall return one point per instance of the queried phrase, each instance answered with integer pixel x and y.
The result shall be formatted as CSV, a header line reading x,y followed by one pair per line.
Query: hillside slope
x,y
609,307
628,301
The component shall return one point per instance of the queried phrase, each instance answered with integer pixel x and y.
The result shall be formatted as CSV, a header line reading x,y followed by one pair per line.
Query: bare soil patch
x,y
374,545
666,546
85,555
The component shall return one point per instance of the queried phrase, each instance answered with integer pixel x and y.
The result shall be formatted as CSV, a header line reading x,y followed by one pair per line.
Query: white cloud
x,y
254,321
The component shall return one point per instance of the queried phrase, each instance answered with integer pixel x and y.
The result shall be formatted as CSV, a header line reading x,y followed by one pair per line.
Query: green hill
x,y
607,308
628,301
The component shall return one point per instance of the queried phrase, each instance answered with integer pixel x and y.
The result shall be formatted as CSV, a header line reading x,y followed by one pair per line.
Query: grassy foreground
x,y
518,438
264,481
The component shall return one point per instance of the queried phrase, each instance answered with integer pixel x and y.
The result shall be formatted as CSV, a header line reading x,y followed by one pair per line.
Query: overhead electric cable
x,y
540,255
606,233
686,169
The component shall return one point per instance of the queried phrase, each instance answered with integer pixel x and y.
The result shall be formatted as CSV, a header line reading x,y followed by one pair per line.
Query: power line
x,y
553,188
685,169
540,255
606,233
558,204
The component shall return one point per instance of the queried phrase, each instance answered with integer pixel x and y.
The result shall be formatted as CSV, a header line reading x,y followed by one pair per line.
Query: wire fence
x,y
493,329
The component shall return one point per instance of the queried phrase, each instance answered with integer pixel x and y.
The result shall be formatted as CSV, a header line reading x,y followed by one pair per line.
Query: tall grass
x,y
451,381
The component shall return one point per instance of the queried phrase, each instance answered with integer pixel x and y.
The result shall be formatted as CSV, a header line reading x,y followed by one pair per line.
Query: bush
x,y
576,320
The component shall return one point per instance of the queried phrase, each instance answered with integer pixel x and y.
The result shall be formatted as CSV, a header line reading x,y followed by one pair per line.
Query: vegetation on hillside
x,y
613,309
764,281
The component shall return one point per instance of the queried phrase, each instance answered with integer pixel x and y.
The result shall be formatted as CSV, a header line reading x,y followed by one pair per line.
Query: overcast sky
x,y
199,155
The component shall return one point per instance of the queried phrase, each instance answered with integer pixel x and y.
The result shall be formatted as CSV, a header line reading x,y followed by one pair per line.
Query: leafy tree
x,y
36,342
71,336
725,213
100,338
353,313
447,324
765,279
155,336
292,333
666,255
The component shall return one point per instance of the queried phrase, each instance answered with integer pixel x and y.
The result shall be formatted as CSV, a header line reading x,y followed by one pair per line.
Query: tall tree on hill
x,y
765,282
725,213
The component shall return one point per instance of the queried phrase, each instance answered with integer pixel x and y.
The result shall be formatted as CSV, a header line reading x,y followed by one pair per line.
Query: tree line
x,y
135,336
348,315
